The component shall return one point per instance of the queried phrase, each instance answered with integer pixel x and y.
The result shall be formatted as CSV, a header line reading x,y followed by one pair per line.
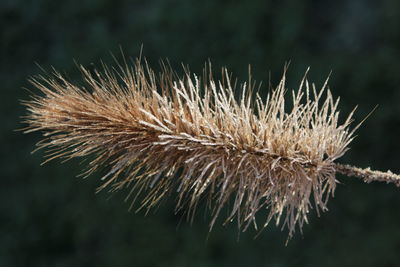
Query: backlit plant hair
x,y
161,133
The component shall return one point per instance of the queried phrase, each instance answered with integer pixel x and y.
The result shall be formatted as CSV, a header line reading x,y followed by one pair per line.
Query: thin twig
x,y
367,174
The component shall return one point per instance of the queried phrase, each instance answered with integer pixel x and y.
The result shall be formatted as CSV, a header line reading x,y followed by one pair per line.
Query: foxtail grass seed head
x,y
160,133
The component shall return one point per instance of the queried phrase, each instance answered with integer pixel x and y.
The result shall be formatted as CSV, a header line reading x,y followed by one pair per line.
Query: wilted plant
x,y
163,133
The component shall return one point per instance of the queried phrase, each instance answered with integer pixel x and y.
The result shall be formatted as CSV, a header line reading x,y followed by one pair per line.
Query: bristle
x,y
192,137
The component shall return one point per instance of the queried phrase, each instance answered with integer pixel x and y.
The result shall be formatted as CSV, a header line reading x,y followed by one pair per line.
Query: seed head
x,y
189,136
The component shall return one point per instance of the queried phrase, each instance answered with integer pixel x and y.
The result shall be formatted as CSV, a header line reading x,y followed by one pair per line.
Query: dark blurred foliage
x,y
50,218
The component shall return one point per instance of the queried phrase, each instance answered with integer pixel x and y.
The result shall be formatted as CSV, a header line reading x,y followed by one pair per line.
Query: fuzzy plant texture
x,y
158,134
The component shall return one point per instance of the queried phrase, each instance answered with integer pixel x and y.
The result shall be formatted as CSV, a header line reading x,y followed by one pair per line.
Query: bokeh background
x,y
48,217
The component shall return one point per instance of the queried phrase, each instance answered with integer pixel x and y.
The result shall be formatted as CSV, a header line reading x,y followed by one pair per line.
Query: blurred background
x,y
48,217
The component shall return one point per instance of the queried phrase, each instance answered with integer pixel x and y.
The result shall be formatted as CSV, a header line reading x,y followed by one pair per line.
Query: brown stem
x,y
367,174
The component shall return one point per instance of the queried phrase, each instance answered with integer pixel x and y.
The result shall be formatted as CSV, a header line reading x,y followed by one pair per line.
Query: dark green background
x,y
50,218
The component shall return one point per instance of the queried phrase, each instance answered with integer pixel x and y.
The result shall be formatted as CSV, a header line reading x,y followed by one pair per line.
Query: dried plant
x,y
163,133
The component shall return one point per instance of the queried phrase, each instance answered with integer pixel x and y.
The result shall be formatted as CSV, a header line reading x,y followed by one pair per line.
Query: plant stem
x,y
367,174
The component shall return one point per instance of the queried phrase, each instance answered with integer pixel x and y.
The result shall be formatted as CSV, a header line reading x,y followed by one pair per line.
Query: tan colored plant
x,y
160,134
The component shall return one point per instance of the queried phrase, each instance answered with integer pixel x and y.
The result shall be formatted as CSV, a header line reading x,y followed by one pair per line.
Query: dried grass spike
x,y
163,133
